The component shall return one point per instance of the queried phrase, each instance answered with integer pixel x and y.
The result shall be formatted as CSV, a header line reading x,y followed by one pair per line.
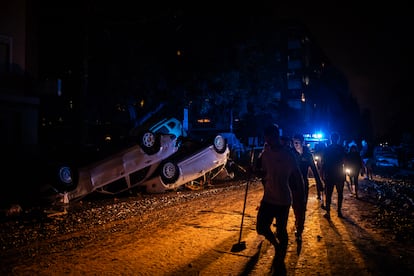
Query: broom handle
x,y
245,194
244,208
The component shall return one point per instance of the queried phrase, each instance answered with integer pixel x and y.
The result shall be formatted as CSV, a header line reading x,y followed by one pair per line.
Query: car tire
x,y
150,143
67,178
220,144
169,172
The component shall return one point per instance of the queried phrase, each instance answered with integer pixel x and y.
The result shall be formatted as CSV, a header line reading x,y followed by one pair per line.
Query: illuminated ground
x,y
192,233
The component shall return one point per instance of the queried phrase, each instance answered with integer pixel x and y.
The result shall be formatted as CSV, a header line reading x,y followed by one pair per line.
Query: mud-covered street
x,y
193,232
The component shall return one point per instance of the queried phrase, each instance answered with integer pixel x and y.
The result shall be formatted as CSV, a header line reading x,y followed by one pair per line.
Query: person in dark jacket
x,y
333,173
305,161
283,183
354,163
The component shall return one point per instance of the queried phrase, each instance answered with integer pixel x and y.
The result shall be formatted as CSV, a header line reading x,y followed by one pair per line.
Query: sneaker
x,y
323,206
340,214
318,197
327,216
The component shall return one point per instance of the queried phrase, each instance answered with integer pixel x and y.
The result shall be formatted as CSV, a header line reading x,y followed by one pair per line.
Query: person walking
x,y
369,166
286,141
333,173
354,163
305,161
366,155
283,183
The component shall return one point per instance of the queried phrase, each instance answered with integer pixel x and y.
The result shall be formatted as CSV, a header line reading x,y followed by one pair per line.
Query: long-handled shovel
x,y
241,245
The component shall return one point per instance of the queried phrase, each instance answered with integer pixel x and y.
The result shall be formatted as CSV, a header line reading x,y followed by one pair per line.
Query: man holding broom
x,y
282,181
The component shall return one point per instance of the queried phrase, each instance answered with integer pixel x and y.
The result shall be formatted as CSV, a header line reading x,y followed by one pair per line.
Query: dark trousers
x,y
329,187
267,212
299,210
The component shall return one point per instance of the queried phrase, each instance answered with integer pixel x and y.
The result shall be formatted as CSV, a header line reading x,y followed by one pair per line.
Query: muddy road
x,y
193,232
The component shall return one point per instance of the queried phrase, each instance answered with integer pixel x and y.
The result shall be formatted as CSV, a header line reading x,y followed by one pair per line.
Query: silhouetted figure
x,y
333,173
369,168
305,161
364,153
286,141
318,153
282,181
355,165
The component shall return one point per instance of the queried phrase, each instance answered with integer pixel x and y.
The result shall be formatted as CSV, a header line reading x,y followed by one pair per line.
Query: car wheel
x,y
150,143
169,172
220,144
66,178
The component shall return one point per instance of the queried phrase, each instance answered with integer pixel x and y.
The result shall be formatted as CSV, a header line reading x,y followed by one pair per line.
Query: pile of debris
x,y
394,202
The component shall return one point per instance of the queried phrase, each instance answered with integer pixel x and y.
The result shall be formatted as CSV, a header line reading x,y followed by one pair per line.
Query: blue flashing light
x,y
318,135
314,136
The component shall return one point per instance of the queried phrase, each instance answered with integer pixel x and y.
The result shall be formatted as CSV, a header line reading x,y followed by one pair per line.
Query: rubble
x,y
393,199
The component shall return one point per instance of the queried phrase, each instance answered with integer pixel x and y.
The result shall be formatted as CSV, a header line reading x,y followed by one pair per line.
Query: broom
x,y
241,245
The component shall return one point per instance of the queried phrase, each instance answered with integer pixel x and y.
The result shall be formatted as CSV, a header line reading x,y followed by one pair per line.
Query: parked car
x,y
193,161
385,156
118,172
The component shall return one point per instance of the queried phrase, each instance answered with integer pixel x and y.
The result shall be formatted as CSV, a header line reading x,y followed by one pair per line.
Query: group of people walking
x,y
284,169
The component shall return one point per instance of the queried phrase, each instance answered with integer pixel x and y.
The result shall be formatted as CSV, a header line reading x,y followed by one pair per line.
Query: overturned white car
x,y
118,172
193,161
163,159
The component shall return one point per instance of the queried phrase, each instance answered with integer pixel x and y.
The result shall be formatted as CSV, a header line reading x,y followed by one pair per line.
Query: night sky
x,y
368,44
